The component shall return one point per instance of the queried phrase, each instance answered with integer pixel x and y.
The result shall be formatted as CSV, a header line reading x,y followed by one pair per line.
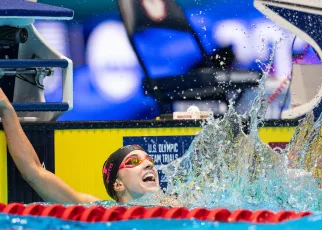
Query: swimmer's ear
x,y
119,186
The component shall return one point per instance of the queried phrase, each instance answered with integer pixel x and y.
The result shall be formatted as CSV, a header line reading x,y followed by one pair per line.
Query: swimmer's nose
x,y
148,165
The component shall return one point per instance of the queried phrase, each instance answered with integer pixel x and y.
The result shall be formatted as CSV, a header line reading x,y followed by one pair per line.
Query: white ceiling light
x,y
116,72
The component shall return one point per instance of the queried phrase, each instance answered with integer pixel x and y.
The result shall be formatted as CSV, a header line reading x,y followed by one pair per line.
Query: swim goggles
x,y
134,161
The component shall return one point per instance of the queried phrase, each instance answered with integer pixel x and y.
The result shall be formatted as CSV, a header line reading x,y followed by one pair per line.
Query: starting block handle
x,y
40,106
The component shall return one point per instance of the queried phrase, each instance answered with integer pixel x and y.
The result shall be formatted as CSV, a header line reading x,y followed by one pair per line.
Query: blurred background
x,y
109,78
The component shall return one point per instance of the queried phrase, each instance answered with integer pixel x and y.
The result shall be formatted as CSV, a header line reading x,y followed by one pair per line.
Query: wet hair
x,y
111,166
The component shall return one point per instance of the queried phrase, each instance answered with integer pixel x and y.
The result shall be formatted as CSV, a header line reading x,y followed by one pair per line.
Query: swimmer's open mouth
x,y
148,177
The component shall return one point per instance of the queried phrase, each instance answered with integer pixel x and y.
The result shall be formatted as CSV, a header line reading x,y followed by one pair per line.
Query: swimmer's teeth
x,y
146,176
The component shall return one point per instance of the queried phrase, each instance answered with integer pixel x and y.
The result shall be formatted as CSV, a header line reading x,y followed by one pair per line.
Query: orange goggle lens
x,y
135,161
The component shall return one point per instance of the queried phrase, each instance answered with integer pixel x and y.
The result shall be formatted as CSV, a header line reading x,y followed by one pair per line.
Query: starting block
x,y
26,59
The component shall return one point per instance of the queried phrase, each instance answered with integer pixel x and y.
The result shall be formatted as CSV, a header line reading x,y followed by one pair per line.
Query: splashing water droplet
x,y
224,167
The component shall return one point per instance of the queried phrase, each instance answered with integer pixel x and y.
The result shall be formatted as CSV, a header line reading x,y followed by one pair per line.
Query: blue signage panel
x,y
163,149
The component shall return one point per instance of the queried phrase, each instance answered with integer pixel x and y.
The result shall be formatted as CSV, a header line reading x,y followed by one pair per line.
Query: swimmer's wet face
x,y
138,174
129,173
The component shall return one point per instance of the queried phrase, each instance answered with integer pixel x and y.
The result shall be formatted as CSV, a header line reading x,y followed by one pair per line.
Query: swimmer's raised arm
x,y
46,184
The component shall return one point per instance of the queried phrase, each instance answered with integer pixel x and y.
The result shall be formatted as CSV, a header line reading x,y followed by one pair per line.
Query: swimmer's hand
x,y
48,186
5,105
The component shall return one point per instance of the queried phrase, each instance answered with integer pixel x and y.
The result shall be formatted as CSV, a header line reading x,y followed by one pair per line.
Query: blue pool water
x,y
29,223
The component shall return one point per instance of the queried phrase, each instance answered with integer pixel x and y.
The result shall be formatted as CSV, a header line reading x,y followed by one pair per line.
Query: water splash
x,y
224,167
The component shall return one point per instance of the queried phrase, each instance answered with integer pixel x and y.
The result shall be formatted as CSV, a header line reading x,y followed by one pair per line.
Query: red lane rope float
x,y
73,212
241,215
272,97
113,214
14,208
135,213
302,214
2,206
262,216
283,216
93,214
219,214
55,210
176,213
117,213
198,213
33,209
156,212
